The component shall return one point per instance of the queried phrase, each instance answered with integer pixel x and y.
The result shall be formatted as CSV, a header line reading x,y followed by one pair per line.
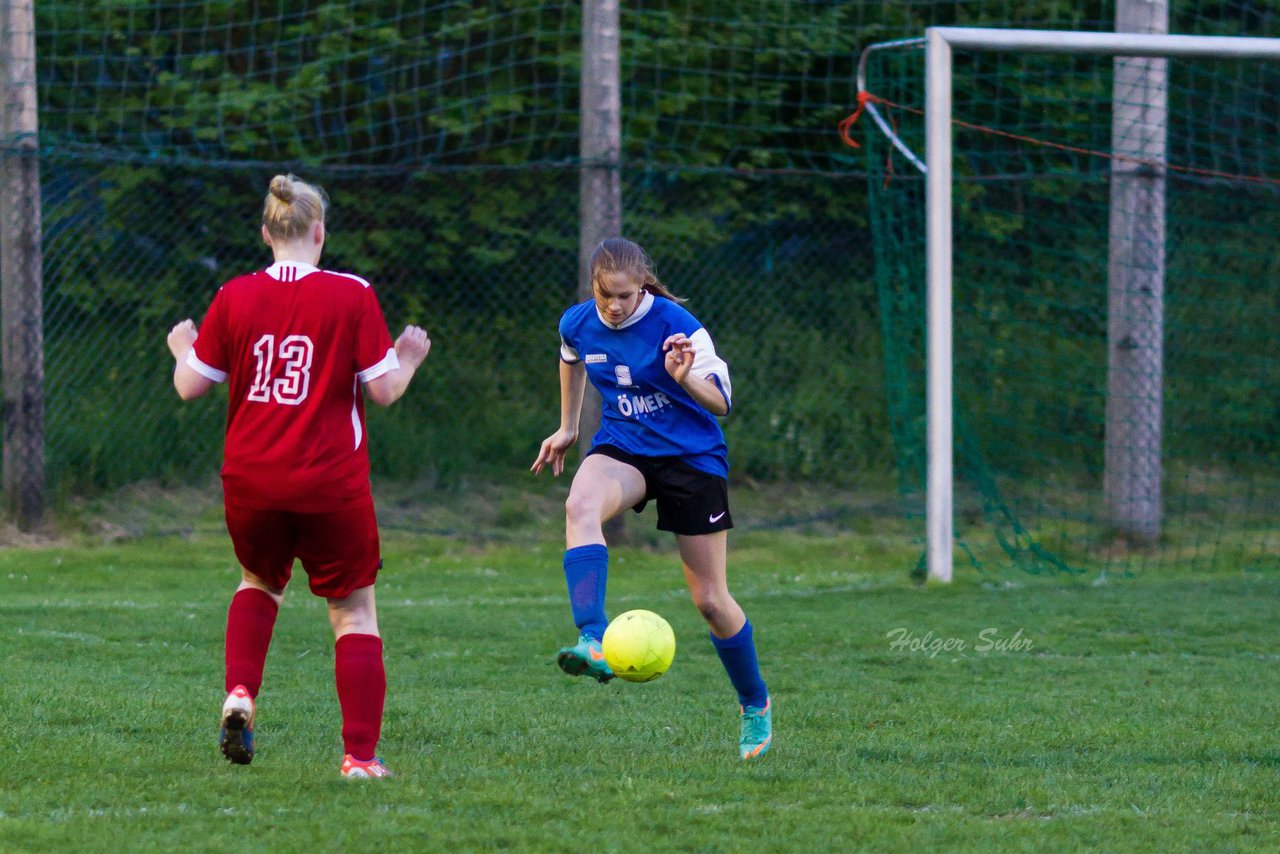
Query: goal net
x,y
1114,307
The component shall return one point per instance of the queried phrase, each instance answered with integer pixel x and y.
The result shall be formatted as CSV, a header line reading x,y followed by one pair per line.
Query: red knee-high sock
x,y
362,689
250,620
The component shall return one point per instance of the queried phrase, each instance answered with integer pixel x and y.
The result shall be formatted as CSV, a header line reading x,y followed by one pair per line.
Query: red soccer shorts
x,y
339,550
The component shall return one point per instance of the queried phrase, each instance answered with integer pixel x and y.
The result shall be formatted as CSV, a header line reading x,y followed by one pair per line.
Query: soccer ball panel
x,y
639,646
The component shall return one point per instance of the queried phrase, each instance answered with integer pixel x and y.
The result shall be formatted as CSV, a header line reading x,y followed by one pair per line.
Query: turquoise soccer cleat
x,y
757,731
585,658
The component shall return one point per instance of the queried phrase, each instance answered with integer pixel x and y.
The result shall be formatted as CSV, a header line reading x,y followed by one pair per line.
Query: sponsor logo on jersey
x,y
623,373
594,358
635,405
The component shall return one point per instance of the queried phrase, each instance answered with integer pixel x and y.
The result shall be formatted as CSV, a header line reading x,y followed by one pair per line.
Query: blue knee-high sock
x,y
585,570
738,655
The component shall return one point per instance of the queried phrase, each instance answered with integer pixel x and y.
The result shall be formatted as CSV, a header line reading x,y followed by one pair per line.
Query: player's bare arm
x,y
573,381
189,383
679,363
411,349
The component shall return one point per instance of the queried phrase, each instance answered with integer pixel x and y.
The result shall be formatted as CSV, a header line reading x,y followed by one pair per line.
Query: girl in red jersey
x,y
295,344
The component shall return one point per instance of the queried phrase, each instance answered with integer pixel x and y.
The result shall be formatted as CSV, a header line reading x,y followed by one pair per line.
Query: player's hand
x,y
412,346
182,337
553,450
679,358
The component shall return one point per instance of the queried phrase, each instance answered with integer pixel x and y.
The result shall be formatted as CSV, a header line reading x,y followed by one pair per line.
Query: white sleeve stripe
x,y
389,363
353,276
716,379
707,364
207,371
567,353
355,420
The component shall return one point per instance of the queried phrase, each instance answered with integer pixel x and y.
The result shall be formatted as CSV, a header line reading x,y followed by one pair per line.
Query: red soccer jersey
x,y
295,343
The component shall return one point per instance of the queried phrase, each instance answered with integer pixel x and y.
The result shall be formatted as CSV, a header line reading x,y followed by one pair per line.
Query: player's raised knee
x,y
582,508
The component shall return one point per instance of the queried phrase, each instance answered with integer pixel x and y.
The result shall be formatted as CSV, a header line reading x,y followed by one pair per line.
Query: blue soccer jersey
x,y
646,412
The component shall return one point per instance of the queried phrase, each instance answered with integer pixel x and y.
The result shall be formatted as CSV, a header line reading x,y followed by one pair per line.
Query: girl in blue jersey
x,y
662,386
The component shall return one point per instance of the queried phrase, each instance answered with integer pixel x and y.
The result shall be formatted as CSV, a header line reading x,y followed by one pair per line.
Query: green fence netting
x,y
447,135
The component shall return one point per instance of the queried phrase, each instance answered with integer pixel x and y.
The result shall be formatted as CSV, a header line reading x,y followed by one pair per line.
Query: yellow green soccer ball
x,y
639,646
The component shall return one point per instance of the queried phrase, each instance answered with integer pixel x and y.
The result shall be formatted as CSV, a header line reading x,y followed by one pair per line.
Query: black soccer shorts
x,y
690,501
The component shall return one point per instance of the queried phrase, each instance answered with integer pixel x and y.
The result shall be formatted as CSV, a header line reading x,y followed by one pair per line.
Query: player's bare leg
x,y
356,614
361,681
602,488
250,621
704,560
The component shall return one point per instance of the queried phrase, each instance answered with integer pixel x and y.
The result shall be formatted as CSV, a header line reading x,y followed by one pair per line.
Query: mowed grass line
x,y
1141,718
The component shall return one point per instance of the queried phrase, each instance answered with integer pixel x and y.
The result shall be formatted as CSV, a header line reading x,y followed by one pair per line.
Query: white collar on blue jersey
x,y
290,271
646,303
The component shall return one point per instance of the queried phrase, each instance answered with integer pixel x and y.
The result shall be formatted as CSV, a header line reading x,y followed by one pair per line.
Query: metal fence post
x,y
21,304
600,206
1135,274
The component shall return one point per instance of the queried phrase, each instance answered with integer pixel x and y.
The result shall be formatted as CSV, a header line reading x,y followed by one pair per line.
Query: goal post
x,y
939,44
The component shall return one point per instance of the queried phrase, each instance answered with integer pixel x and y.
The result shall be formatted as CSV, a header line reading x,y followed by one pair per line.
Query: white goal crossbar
x,y
939,44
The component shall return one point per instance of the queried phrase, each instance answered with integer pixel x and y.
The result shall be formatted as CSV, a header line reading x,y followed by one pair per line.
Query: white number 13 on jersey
x,y
290,387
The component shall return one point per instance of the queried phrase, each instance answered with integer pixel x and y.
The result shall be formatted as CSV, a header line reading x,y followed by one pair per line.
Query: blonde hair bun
x,y
282,188
292,207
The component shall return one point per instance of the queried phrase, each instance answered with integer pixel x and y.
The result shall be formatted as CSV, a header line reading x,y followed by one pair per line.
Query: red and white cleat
x,y
364,769
236,737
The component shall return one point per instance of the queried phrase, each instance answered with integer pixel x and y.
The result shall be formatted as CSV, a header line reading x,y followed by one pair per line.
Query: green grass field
x,y
1142,717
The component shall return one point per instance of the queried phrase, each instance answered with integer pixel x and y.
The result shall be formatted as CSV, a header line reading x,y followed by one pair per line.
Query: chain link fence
x,y
131,249
447,134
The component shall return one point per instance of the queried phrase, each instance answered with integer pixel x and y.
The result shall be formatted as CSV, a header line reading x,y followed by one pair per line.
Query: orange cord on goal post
x,y
846,125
